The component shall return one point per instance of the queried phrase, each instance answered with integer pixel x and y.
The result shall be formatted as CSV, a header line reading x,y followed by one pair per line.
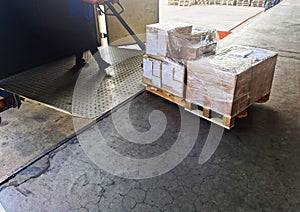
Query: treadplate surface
x,y
88,93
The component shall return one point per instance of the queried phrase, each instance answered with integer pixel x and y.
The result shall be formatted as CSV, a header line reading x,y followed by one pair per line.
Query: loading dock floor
x,y
56,86
27,133
36,120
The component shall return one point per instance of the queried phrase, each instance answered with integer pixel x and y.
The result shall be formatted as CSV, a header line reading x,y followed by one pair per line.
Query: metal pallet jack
x,y
109,4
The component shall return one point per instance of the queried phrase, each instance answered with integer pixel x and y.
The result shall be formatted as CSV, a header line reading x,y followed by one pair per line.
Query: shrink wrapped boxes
x,y
173,76
157,37
164,74
200,42
231,80
196,51
180,41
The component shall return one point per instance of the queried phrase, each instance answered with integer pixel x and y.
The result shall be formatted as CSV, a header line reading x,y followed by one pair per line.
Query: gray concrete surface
x,y
27,132
223,18
255,168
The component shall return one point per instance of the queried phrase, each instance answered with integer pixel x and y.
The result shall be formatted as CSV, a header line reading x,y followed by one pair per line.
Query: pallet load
x,y
168,48
230,81
182,66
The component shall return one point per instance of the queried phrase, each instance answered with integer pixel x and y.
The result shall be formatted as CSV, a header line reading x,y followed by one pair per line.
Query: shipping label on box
x,y
179,73
173,76
164,74
156,71
162,42
152,72
156,81
167,75
147,67
152,39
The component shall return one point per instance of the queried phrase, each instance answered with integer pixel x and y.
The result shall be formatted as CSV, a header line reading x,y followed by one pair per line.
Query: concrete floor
x,y
18,141
22,130
255,168
222,18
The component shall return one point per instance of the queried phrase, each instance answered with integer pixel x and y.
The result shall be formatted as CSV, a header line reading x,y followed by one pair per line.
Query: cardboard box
x,y
191,46
173,76
231,80
196,51
157,36
180,41
164,74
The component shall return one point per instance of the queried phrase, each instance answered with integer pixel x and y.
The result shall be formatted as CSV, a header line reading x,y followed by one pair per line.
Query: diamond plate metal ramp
x,y
57,87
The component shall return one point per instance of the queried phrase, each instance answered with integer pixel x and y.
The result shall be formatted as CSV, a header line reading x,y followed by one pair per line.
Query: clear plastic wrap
x,y
180,41
157,38
191,46
231,80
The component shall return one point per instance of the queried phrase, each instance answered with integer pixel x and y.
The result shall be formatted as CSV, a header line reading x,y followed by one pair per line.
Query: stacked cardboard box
x,y
181,59
164,74
169,47
231,80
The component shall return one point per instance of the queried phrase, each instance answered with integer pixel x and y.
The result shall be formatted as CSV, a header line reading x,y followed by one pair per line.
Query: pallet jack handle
x,y
114,12
115,2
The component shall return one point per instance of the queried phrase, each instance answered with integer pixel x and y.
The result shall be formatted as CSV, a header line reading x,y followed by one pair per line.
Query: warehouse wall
x,y
138,13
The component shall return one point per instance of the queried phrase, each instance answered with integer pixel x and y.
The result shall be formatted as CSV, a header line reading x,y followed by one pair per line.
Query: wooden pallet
x,y
175,99
198,110
214,117
208,114
205,113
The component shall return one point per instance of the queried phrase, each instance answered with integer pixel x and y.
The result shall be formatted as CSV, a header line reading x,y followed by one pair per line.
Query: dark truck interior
x,y
34,32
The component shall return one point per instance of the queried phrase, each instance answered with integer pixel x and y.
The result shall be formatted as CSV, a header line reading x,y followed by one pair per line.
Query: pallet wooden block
x,y
209,115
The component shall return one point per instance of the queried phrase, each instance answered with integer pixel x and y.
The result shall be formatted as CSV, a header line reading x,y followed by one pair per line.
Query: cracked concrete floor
x,y
255,168
27,132
21,137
